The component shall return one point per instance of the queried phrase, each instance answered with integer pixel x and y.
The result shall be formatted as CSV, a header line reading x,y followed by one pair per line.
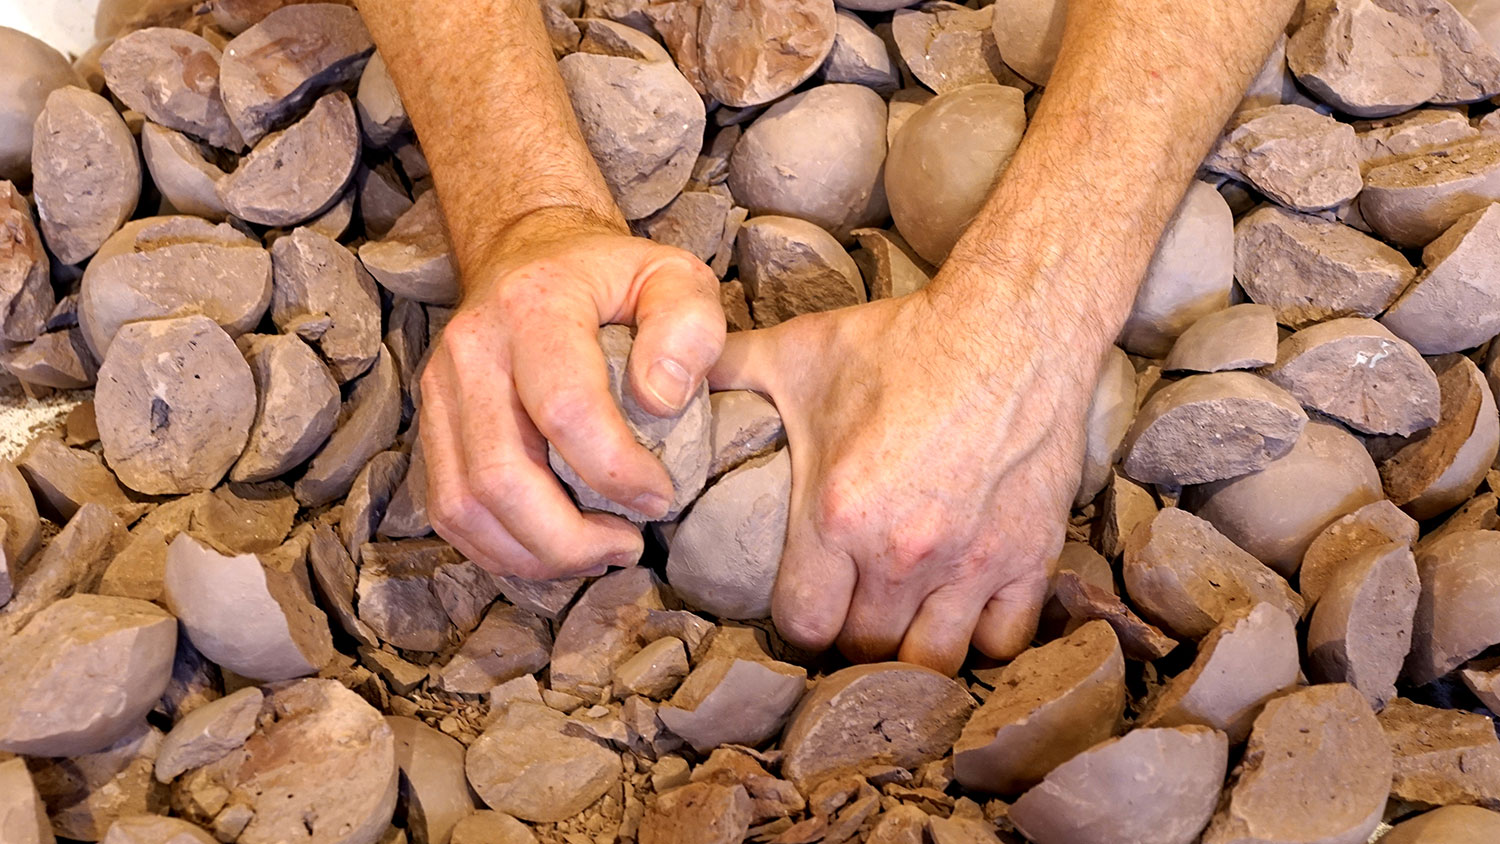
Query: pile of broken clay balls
x,y
224,615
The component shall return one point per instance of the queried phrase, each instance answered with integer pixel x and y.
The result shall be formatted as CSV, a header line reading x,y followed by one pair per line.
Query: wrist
x,y
534,232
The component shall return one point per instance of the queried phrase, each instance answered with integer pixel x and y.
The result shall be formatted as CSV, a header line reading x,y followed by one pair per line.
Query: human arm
x,y
936,439
545,257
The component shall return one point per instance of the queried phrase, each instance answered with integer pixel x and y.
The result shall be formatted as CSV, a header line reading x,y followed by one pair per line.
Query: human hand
x,y
519,365
934,461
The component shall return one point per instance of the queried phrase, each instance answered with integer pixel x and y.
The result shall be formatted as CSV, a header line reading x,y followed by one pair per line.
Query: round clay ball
x,y
946,159
29,71
816,156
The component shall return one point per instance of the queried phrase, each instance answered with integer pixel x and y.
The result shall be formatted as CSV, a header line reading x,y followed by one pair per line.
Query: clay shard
x,y
316,278
1363,59
1250,420
681,442
367,426
727,549
1187,577
26,296
791,267
1238,337
65,479
1158,785
1442,756
1050,704
33,70
208,733
1111,410
172,267
889,265
382,115
1413,200
83,673
1455,619
1294,155
23,816
155,829
175,402
273,69
60,359
172,77
22,534
336,577
508,643
294,175
1029,33
859,56
252,615
694,222
1322,740
1453,305
179,168
1087,601
1310,269
320,769
1361,628
86,172
87,794
1430,474
368,498
1482,676
728,700
413,259
406,516
707,41
527,765
654,672
1449,824
245,518
1470,68
396,595
744,426
1361,374
1384,141
297,406
434,790
1371,526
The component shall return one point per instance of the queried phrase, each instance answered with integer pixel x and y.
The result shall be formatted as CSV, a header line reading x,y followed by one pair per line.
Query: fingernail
x,y
652,505
669,382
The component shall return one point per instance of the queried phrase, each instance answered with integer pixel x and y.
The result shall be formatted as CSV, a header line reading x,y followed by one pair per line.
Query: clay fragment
x,y
681,442
273,69
1311,270
1238,337
509,643
73,562
175,402
947,46
23,817
1442,756
382,115
1322,740
60,359
86,172
706,40
1429,474
208,733
252,615
525,764
413,259
1361,374
1086,601
32,70
396,596
382,197
434,789
744,426
1381,142
889,265
139,568
1361,628
703,813
1371,526
321,769
367,426
155,829
1455,620
1251,421
245,518
82,674
816,156
1483,679
791,267
1159,785
171,267
1449,824
1186,577
86,794
1363,59
1125,506
859,56
546,598
946,158
368,498
1294,155
1029,33
26,294
188,181
732,293
1049,704
318,279
1470,68
65,479
487,827
294,175
172,77
1453,306
694,222
727,549
1413,200
296,409
728,700
654,672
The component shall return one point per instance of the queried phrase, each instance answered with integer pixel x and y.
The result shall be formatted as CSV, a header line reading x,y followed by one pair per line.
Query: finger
x,y
679,334
505,461
940,633
877,621
812,593
1008,621
563,385
456,515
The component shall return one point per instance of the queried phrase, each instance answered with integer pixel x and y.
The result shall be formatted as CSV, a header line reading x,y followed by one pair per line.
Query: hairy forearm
x,y
1140,92
481,85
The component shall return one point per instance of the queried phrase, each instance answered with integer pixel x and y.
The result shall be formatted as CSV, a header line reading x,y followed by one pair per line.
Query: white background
x,y
65,24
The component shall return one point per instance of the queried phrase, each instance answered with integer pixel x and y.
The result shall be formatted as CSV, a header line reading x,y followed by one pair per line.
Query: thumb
x,y
679,334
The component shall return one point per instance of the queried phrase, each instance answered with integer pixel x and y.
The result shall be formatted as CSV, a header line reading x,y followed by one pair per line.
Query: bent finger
x,y
940,633
877,620
813,590
1008,621
679,335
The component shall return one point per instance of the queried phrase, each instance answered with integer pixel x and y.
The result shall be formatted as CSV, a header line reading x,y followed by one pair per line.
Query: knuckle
x,y
562,410
840,512
451,514
806,632
492,488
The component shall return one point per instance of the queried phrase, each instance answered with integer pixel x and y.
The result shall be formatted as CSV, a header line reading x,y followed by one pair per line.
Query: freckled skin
x,y
936,438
